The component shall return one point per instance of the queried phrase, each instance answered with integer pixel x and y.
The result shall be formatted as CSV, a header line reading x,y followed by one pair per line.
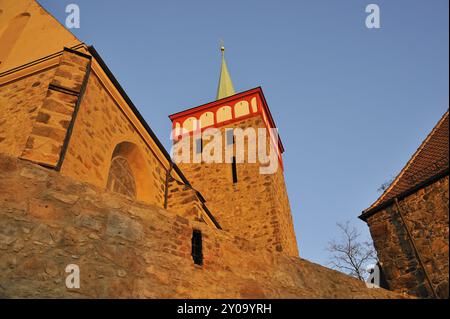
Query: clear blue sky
x,y
351,104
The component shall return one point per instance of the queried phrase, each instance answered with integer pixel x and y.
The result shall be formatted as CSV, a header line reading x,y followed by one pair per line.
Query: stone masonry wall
x,y
426,214
50,128
129,249
256,207
36,112
20,102
185,201
99,128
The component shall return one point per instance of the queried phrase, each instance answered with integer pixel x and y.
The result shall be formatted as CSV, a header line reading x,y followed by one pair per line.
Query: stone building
x,y
409,222
247,203
63,108
85,181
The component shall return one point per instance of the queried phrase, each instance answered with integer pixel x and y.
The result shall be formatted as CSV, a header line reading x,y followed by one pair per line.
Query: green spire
x,y
226,87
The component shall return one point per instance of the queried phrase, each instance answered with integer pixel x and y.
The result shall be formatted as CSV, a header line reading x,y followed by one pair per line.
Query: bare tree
x,y
385,185
350,254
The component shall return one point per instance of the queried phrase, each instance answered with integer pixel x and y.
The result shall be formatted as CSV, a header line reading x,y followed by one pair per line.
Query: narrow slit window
x,y
197,251
199,145
234,170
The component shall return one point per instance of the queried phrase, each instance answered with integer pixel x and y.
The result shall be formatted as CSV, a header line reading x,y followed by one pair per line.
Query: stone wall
x,y
100,127
426,214
37,109
57,111
257,206
68,105
187,202
130,249
20,102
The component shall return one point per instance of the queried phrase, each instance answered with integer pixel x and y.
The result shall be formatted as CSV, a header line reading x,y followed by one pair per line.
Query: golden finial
x,y
222,46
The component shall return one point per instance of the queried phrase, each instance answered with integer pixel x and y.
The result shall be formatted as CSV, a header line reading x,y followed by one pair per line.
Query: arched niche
x,y
254,104
206,119
241,108
129,173
11,34
223,114
189,124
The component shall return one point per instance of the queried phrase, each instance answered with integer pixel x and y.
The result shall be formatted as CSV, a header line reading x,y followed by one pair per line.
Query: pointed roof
x,y
226,87
430,161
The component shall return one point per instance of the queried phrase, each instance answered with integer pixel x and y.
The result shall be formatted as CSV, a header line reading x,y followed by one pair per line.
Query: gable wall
x,y
426,213
40,36
100,125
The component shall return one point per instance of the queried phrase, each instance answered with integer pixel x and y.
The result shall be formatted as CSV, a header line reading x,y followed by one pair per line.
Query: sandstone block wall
x,y
50,129
186,202
36,110
426,214
130,249
68,105
100,126
20,102
257,206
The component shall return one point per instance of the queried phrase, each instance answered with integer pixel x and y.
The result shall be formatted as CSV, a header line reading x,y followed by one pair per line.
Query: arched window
x,y
206,119
190,124
241,108
121,179
129,173
11,34
224,114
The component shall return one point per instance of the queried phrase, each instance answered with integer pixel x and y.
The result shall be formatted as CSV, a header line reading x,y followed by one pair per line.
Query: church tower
x,y
244,189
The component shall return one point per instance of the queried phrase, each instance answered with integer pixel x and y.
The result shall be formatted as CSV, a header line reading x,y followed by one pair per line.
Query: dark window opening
x,y
234,170
199,146
197,253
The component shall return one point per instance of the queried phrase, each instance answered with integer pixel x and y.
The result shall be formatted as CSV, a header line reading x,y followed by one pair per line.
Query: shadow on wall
x,y
11,34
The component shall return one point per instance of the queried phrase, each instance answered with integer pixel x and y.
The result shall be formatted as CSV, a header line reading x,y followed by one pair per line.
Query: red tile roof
x,y
430,159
